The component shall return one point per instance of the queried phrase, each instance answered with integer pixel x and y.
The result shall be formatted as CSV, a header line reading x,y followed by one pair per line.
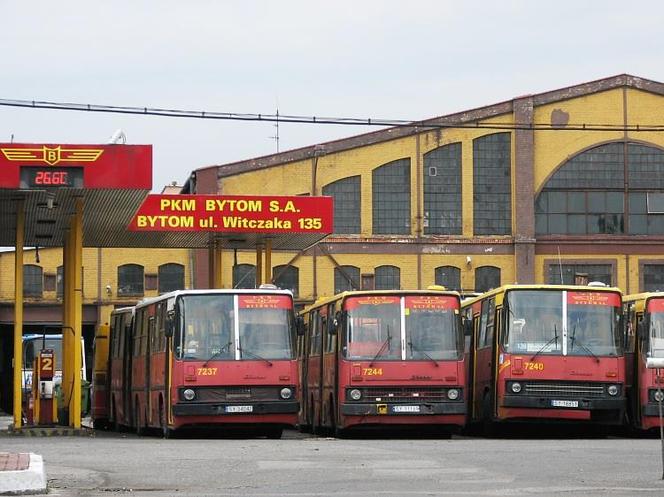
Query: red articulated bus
x,y
546,352
203,358
644,338
377,358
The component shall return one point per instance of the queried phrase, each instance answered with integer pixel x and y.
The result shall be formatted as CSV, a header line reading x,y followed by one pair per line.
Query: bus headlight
x,y
658,395
286,393
189,394
355,394
452,394
516,387
613,390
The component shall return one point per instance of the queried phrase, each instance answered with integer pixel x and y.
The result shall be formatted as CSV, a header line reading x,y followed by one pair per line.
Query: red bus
x,y
644,338
546,352
205,358
382,358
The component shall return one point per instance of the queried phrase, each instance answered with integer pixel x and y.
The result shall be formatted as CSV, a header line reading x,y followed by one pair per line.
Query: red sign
x,y
593,298
236,213
265,302
355,302
29,165
656,305
431,303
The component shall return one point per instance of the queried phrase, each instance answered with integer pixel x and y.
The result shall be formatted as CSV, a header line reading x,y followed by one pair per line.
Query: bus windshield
x,y
375,331
206,325
432,330
374,326
209,329
534,322
656,335
593,329
557,322
266,333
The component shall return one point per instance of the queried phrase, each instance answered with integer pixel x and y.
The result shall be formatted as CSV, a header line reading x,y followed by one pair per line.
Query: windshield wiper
x,y
584,347
387,342
417,349
253,354
222,349
554,338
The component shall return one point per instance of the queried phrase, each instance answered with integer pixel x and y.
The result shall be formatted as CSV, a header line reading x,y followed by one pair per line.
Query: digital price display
x,y
51,177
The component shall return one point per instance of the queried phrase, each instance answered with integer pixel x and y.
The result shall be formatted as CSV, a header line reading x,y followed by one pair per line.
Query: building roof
x,y
451,120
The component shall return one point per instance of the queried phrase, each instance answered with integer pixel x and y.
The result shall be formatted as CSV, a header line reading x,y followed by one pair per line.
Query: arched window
x,y
589,193
244,276
346,278
287,277
442,190
171,277
347,208
492,185
33,280
130,280
449,277
486,278
391,198
387,278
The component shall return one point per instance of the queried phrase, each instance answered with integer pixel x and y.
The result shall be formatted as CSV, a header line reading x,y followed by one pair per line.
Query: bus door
x,y
330,367
469,345
484,394
631,366
314,368
127,361
303,361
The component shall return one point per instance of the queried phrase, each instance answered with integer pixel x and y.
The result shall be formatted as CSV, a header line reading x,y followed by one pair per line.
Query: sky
x,y
363,59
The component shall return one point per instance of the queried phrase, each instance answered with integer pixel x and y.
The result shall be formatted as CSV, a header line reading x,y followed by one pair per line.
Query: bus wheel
x,y
166,432
274,432
488,425
309,424
115,426
137,420
335,431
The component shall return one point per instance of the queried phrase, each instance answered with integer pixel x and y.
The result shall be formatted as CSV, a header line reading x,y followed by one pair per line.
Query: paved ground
x,y
300,465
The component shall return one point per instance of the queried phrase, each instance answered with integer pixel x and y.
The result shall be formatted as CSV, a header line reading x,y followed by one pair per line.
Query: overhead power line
x,y
348,121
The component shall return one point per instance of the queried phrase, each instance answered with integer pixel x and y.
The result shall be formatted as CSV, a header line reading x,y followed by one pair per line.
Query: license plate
x,y
406,409
239,408
565,403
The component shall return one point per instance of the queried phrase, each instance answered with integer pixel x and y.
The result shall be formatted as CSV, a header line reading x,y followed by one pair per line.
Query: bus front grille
x,y
404,394
561,390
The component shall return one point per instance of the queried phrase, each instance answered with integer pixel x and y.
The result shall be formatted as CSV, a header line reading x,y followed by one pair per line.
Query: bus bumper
x,y
387,409
605,404
249,408
651,409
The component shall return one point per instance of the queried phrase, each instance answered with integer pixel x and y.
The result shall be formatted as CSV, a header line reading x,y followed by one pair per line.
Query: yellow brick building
x,y
112,278
559,185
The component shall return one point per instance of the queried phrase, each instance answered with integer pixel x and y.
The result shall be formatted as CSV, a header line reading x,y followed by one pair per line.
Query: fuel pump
x,y
43,388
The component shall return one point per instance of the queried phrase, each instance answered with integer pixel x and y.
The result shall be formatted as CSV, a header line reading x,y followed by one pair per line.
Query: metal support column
x,y
73,320
77,315
66,381
214,266
18,313
268,261
259,266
